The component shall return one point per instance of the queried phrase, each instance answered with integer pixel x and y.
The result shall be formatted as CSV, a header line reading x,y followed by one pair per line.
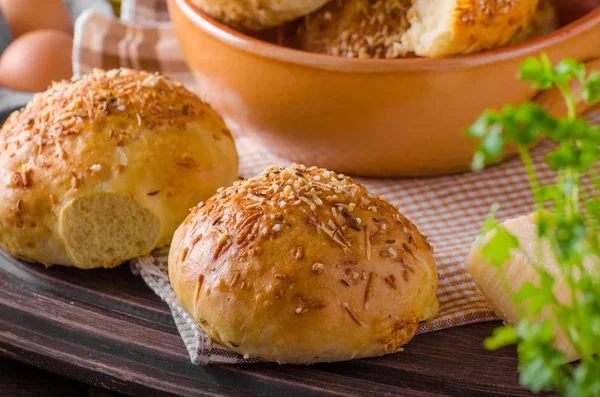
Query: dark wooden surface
x,y
21,380
107,329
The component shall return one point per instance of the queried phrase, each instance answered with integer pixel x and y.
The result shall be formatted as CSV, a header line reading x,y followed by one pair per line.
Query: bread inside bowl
x,y
433,28
357,28
251,15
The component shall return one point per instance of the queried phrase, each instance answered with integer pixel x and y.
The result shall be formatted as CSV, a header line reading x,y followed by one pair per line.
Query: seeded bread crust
x,y
123,133
401,28
302,266
257,15
357,29
475,25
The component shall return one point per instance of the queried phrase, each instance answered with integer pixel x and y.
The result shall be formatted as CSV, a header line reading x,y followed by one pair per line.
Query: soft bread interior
x,y
451,27
430,22
105,230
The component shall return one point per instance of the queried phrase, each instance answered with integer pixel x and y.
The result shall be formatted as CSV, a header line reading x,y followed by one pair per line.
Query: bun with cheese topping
x,y
302,265
102,169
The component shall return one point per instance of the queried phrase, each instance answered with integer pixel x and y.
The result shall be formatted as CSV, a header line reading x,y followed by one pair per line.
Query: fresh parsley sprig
x,y
568,221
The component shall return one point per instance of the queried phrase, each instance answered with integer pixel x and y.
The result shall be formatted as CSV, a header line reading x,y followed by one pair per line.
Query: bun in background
x,y
257,15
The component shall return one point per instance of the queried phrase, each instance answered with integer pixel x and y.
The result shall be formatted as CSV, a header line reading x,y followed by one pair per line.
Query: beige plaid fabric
x,y
141,12
449,209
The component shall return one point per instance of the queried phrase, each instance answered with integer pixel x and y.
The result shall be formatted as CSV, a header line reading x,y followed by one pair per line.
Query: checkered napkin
x,y
449,209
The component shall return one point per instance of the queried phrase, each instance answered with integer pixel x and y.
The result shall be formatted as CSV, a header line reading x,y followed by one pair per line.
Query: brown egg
x,y
35,59
24,16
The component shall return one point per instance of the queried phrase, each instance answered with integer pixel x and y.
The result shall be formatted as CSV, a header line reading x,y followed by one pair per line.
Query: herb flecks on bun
x,y
102,169
303,265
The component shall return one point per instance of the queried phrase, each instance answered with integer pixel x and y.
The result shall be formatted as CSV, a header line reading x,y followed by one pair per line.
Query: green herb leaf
x,y
591,89
585,381
524,125
567,70
548,193
478,162
534,297
578,149
480,128
544,223
540,364
502,336
570,230
498,249
538,72
490,222
539,372
568,239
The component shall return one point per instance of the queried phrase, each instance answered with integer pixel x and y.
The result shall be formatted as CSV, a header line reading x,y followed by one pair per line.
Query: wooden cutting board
x,y
106,328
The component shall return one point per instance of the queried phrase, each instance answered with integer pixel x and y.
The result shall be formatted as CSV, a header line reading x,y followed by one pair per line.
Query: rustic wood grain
x,y
106,328
20,380
96,392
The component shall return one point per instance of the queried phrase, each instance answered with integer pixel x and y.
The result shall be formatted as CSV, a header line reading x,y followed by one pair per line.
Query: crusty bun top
x,y
449,27
303,265
69,107
257,15
103,168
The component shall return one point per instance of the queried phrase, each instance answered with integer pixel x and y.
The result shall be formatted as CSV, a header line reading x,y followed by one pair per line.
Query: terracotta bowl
x,y
399,117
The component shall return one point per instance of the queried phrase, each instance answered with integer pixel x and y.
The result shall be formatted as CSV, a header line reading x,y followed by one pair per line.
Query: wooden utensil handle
x,y
553,101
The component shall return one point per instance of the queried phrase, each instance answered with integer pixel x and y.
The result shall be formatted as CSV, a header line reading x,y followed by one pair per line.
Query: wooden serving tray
x,y
106,328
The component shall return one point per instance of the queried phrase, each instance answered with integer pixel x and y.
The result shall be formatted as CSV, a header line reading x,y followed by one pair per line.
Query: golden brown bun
x,y
400,28
449,27
257,15
102,169
302,266
544,21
